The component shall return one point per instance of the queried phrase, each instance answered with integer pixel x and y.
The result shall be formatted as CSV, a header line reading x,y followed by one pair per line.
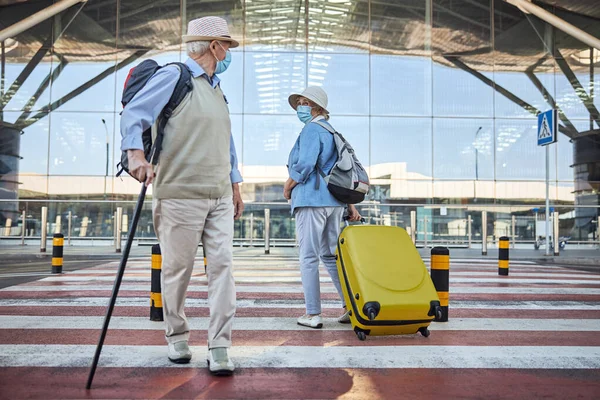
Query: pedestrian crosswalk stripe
x,y
527,357
277,323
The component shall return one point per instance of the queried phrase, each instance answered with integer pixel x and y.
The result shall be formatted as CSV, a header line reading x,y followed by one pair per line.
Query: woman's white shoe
x,y
314,321
344,319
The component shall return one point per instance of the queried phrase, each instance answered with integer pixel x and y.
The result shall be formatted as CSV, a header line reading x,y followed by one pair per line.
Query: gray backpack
x,y
348,181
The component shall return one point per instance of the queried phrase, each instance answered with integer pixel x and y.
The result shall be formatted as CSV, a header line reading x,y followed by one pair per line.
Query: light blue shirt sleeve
x,y
141,112
308,153
235,175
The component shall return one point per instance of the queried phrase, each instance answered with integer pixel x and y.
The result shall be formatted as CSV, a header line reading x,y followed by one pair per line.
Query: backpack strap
x,y
182,88
329,129
325,125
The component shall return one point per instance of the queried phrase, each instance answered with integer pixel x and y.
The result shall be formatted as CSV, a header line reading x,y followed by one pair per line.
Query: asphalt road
x,y
17,272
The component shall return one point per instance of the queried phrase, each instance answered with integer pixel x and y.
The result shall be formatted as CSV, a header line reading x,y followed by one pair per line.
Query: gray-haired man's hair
x,y
197,48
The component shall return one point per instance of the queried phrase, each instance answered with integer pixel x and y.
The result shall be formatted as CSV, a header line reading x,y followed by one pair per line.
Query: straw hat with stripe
x,y
209,28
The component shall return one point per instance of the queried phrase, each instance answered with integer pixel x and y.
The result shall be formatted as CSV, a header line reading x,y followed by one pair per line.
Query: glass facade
x,y
438,97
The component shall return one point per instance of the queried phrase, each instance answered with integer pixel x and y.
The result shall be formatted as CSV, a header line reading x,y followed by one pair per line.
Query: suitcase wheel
x,y
361,335
439,314
424,331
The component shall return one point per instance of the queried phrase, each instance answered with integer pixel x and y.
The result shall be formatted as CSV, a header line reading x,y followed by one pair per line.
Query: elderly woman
x,y
318,214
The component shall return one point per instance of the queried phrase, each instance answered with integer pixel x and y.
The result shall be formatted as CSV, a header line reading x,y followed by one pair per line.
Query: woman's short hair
x,y
319,109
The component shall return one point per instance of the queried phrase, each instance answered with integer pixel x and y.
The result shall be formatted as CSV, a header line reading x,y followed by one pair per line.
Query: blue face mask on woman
x,y
303,113
223,64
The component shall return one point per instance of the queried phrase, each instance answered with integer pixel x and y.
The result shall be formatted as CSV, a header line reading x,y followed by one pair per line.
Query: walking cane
x,y
117,285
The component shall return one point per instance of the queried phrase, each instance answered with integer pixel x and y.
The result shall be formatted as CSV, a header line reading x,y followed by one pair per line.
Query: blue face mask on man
x,y
304,113
223,64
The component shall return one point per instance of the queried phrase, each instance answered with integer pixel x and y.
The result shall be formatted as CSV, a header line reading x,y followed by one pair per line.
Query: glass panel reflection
x,y
78,187
85,86
356,131
451,83
338,26
400,26
27,75
238,137
453,190
154,25
267,143
463,149
91,34
270,78
520,191
526,84
81,144
400,85
564,158
345,78
517,155
232,82
33,186
472,18
275,25
384,189
33,143
402,146
567,98
574,83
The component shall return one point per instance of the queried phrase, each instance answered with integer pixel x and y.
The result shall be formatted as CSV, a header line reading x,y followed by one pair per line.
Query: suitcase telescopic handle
x,y
347,220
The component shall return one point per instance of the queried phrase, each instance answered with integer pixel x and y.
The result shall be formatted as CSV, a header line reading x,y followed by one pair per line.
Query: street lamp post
x,y
107,151
476,165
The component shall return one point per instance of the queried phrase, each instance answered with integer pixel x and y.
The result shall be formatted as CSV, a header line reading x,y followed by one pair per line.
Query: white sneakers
x,y
218,360
179,352
344,319
314,321
219,363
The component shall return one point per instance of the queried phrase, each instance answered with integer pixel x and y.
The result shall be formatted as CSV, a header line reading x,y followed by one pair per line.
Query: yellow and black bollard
x,y
503,256
156,310
440,275
205,262
57,253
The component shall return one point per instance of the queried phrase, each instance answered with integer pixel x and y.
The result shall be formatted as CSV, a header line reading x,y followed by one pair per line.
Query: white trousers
x,y
317,230
180,225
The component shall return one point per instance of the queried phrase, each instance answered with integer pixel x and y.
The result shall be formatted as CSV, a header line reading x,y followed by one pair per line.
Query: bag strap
x,y
329,129
182,88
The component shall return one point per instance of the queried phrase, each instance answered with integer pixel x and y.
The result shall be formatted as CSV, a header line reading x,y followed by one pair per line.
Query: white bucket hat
x,y
314,94
209,28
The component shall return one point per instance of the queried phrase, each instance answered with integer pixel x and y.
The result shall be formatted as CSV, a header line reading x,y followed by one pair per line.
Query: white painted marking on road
x,y
327,289
24,274
70,278
525,357
266,303
281,272
327,286
269,324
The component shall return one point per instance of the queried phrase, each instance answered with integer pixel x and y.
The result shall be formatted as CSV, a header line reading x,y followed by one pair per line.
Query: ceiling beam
x,y
22,124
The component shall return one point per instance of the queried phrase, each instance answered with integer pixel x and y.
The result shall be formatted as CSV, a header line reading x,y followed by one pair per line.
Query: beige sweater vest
x,y
194,162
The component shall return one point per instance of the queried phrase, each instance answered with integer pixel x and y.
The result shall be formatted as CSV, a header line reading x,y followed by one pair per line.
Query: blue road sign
x,y
547,128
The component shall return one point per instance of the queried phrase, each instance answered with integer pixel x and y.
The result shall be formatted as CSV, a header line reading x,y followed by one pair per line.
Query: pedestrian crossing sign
x,y
547,124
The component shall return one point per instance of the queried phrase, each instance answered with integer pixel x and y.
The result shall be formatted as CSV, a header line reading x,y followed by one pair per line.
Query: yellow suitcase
x,y
386,285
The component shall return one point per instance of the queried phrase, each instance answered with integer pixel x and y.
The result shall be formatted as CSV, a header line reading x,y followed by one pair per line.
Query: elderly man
x,y
196,193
